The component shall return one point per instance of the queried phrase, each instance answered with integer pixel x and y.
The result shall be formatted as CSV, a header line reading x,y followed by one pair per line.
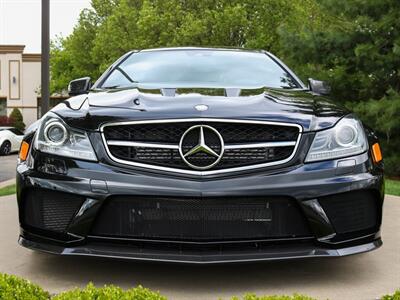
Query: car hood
x,y
311,111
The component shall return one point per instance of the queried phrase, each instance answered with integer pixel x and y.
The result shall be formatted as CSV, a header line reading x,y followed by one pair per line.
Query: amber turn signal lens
x,y
23,152
376,152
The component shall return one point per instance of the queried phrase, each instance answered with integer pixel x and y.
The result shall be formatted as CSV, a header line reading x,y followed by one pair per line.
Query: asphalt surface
x,y
7,167
365,276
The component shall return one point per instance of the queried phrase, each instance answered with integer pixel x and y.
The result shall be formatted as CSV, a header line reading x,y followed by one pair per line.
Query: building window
x,y
3,106
14,72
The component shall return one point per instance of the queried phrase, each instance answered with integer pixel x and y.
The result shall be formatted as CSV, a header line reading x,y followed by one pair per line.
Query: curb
x,y
392,196
7,183
12,196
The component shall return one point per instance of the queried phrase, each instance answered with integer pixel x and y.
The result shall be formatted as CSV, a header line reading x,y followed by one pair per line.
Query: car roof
x,y
202,48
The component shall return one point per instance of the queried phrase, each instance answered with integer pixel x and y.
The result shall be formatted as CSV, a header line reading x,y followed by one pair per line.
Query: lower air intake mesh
x,y
351,212
50,210
200,219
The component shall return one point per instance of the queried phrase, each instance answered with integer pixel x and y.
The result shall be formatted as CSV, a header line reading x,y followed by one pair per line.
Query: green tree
x,y
112,28
70,57
358,52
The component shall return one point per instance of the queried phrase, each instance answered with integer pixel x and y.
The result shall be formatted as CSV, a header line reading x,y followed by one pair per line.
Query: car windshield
x,y
200,69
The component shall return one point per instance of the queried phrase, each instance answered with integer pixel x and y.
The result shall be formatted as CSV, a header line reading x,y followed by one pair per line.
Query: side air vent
x,y
352,212
50,210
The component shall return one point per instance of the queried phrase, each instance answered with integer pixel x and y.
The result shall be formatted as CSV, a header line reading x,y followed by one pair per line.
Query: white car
x,y
10,140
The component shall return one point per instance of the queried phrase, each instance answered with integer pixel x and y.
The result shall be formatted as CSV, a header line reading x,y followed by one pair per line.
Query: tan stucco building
x,y
19,81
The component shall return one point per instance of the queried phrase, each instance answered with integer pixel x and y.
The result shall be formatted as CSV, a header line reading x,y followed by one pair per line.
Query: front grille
x,y
200,219
164,144
352,211
50,210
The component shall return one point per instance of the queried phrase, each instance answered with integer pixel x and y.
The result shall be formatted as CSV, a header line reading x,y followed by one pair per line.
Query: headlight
x,y
55,137
345,139
55,133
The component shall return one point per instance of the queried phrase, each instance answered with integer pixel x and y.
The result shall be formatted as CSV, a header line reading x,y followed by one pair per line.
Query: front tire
x,y
5,148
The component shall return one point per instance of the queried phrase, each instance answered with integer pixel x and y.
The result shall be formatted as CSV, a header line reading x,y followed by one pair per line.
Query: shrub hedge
x,y
395,296
109,292
17,119
15,288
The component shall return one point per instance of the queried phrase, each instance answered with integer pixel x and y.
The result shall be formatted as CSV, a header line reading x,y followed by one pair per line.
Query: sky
x,y
20,21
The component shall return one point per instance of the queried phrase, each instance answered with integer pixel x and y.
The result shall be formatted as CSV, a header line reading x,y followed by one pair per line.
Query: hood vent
x,y
168,92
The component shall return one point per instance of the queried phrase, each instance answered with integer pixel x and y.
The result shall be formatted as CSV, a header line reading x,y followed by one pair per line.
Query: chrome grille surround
x,y
295,144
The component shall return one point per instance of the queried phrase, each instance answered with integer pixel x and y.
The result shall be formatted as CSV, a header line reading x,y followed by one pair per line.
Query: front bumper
x,y
307,184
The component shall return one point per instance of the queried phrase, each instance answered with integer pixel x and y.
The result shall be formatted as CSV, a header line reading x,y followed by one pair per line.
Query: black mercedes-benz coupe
x,y
200,155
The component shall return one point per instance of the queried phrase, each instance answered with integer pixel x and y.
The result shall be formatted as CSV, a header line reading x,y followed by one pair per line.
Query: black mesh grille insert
x,y
172,158
200,219
50,210
231,132
352,212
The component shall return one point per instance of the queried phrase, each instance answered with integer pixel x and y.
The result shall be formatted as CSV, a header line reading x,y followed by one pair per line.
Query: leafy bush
x,y
109,293
17,119
14,288
395,296
6,121
275,297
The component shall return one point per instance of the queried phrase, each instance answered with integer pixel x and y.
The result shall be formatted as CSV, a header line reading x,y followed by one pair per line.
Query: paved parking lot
x,y
365,276
7,167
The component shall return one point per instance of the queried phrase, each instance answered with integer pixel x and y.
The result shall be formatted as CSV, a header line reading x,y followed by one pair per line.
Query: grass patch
x,y
392,187
7,190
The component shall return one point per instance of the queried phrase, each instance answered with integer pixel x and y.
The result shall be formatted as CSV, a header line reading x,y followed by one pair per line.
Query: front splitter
x,y
277,252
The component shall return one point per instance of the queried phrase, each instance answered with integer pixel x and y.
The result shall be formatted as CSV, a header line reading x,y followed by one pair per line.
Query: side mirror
x,y
319,87
79,86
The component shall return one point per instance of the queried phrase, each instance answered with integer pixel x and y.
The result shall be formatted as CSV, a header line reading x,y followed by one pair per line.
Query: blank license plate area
x,y
200,218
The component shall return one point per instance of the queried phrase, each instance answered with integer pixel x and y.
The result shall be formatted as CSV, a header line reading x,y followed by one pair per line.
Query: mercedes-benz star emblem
x,y
201,147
